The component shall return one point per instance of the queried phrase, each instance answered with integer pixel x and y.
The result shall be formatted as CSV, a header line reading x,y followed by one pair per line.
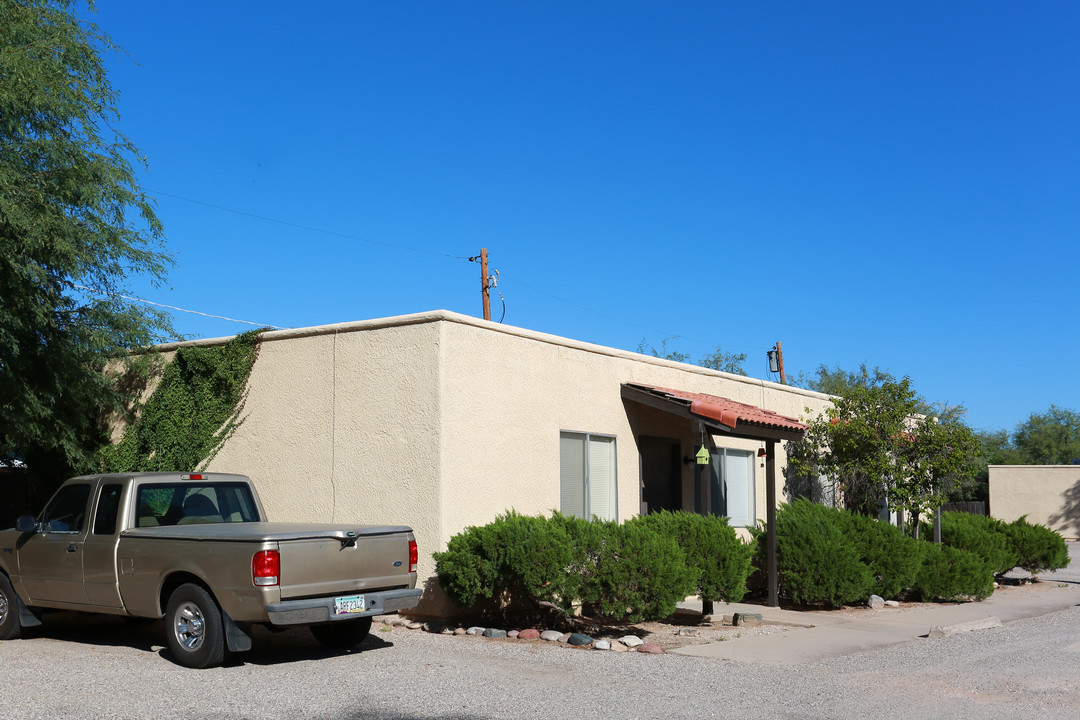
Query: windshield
x,y
189,503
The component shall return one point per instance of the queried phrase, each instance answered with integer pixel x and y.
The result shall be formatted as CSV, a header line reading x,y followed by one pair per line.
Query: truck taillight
x,y
414,555
266,568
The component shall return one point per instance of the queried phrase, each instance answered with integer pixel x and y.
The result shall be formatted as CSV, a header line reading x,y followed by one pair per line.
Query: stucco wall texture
x,y
1047,494
440,421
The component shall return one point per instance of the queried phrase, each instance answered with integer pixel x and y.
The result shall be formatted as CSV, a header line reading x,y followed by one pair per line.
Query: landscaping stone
x,y
415,625
578,639
564,638
631,641
686,632
494,633
876,602
650,648
602,645
892,603
460,631
513,634
529,634
475,630
619,647
551,635
746,619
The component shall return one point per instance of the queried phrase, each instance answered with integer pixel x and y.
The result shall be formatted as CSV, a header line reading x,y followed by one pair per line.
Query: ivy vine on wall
x,y
191,414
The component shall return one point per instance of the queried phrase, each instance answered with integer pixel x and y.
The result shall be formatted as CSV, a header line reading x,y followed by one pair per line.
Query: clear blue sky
x,y
895,184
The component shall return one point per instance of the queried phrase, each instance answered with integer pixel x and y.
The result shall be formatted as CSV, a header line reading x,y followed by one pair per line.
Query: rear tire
x,y
344,634
10,627
193,627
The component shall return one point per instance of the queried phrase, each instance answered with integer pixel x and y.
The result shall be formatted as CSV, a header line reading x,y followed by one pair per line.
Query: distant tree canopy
x,y
74,227
716,360
1047,438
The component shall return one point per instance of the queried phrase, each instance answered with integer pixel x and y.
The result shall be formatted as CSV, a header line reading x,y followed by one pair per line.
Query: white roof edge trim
x,y
449,316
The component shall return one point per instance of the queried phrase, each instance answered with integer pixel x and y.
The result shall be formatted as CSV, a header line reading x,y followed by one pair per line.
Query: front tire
x,y
10,627
344,634
193,627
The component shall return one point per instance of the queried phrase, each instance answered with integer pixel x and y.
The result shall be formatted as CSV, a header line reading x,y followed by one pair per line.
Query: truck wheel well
x,y
176,580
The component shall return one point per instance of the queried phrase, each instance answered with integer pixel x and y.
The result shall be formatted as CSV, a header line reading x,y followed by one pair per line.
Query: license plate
x,y
349,605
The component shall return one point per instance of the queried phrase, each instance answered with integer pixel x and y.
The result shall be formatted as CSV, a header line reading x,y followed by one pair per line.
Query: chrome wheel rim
x,y
3,607
189,628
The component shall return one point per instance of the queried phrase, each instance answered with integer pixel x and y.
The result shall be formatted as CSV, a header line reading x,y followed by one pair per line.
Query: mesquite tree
x,y
876,448
74,228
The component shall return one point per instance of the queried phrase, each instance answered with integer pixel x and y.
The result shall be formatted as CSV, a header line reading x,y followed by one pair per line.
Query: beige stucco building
x,y
1046,494
441,421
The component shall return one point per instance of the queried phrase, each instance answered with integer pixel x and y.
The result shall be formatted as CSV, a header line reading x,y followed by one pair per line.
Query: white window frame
x,y
586,479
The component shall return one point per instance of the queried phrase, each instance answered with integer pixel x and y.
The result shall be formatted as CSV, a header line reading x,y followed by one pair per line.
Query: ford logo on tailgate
x,y
397,563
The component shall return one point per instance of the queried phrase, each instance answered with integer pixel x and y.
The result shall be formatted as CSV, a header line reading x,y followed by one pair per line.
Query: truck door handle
x,y
72,548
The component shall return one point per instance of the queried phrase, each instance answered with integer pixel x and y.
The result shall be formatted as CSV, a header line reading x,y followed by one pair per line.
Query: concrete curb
x,y
962,627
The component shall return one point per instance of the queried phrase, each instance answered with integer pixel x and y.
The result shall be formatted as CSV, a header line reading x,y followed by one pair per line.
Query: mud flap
x,y
236,640
27,619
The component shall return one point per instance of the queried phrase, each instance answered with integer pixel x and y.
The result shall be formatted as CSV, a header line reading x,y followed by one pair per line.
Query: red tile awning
x,y
726,415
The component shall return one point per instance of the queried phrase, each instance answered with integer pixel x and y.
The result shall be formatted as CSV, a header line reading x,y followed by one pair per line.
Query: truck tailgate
x,y
312,567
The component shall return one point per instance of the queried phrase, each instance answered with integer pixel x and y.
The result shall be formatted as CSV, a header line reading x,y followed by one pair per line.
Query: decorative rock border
x,y
627,643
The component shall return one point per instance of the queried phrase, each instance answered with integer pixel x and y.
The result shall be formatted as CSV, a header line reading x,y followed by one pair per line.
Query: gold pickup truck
x,y
197,550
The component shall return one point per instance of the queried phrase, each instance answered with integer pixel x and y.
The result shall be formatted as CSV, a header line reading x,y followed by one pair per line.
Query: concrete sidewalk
x,y
817,635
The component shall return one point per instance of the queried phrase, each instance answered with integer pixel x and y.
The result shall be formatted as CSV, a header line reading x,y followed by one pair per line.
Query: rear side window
x,y
190,503
108,507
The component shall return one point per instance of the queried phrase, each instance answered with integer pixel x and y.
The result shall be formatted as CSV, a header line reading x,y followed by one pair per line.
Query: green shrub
x,y
949,573
587,540
818,562
639,575
515,559
893,558
982,535
718,558
1037,548
626,572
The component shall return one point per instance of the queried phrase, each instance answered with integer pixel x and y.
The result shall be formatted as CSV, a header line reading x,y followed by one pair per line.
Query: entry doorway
x,y
661,474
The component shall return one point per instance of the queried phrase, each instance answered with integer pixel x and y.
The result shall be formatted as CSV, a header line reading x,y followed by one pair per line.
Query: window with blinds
x,y
732,492
587,476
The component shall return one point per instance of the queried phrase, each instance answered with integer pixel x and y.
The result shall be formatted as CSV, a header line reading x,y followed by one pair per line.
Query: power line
x,y
179,309
710,343
308,227
412,249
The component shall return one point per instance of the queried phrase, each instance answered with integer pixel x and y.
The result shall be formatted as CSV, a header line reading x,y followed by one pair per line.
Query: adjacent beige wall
x,y
1047,494
441,421
342,424
509,392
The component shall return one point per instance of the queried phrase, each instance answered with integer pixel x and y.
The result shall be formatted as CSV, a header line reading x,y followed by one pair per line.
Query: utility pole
x,y
780,358
485,282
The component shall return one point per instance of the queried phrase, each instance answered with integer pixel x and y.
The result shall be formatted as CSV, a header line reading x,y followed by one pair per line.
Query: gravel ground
x,y
96,667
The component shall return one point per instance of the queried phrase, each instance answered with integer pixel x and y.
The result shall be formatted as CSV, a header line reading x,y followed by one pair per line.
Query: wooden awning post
x,y
770,513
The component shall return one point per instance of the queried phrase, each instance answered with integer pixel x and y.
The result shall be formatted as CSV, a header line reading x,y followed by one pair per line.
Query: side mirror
x,y
26,523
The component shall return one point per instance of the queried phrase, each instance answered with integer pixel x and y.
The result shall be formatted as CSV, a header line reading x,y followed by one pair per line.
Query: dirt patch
x,y
690,628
